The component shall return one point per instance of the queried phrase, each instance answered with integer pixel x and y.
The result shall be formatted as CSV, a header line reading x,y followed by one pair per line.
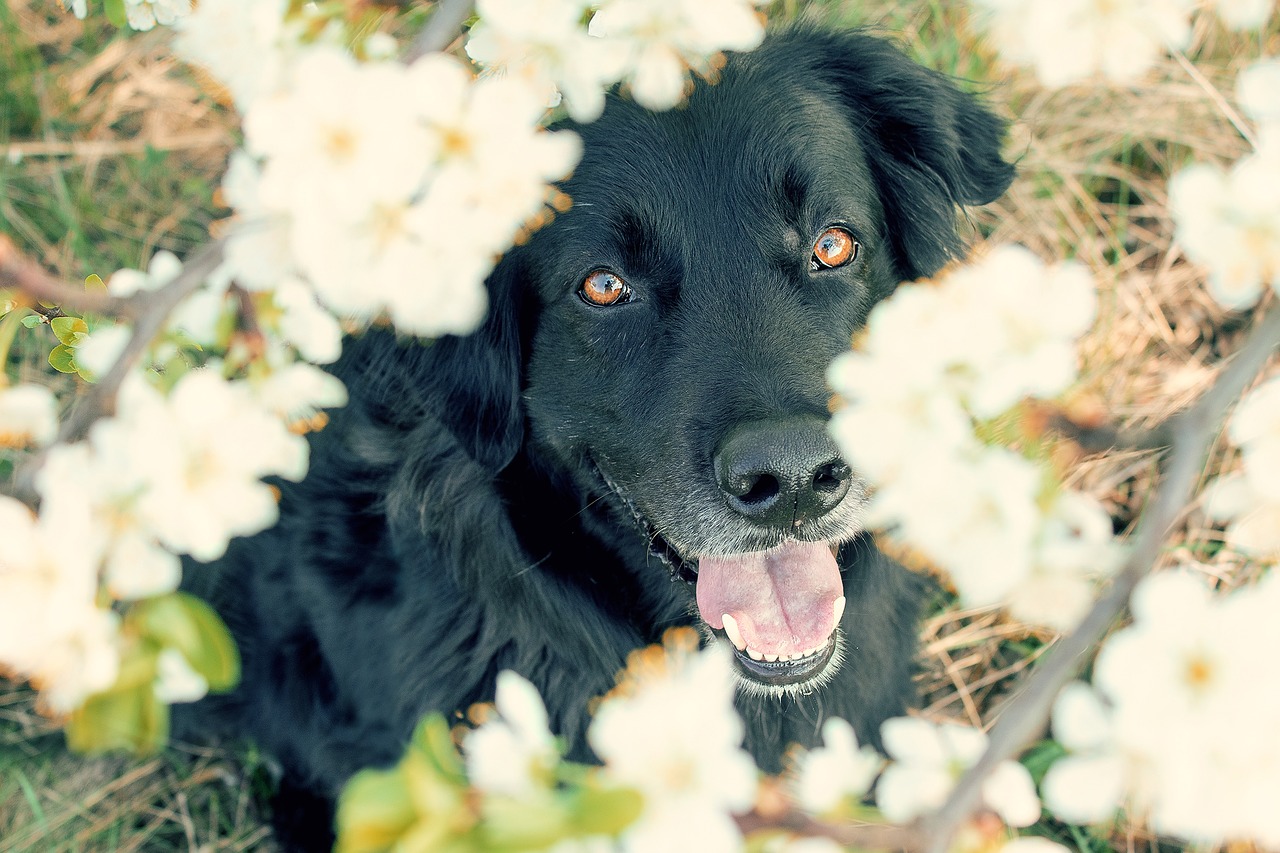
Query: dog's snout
x,y
781,473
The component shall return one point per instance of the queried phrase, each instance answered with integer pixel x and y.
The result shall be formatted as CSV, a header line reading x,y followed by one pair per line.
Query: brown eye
x,y
835,248
604,288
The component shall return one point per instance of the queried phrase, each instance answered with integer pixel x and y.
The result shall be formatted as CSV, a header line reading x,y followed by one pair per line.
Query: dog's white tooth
x,y
771,658
839,608
731,629
755,655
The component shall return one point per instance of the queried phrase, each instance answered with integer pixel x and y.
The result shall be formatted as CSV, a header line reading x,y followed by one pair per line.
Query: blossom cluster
x,y
1180,722
650,44
1000,330
1072,41
166,476
1248,500
388,189
1229,221
691,771
366,190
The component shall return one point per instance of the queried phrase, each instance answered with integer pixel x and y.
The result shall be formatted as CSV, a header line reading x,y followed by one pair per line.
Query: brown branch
x,y
20,273
1025,717
861,836
1098,438
441,30
152,310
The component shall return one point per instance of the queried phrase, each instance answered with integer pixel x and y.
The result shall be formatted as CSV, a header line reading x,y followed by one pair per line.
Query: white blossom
x,y
1088,785
240,42
340,136
145,14
304,324
838,770
959,511
99,350
176,681
513,753
51,630
660,39
689,767
208,445
544,43
28,416
1244,14
1190,727
1074,548
926,760
1258,92
1230,223
1070,41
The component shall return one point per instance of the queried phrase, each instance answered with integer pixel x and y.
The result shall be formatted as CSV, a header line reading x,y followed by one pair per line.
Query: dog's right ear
x,y
469,383
931,146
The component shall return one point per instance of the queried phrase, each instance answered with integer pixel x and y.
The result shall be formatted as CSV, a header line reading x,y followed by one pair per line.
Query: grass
x,y
117,151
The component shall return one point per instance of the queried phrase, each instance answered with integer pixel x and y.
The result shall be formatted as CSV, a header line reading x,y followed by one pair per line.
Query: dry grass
x,y
119,151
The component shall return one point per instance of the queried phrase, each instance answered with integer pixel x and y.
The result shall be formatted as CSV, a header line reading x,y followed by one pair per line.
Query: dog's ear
x,y
470,384
931,146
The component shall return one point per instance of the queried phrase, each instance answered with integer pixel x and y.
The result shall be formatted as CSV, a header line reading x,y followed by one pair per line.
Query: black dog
x,y
635,440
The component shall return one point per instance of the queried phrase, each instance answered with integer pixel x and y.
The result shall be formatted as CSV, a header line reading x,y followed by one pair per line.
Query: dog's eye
x,y
602,287
834,248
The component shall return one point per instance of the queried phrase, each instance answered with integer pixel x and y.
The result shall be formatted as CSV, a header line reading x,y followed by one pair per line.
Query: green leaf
x,y
434,741
62,359
31,321
191,626
374,811
94,282
69,330
115,12
531,823
130,718
605,811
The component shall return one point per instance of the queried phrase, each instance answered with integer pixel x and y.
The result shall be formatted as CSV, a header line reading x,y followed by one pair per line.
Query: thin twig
x,y
150,316
441,30
1237,121
1103,437
100,400
1025,717
865,836
20,273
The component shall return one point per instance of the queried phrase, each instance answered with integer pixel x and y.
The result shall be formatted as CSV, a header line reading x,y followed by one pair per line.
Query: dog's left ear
x,y
931,146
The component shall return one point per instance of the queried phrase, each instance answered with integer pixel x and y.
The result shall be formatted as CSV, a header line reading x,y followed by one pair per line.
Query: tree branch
x,y
17,272
150,311
1191,433
446,21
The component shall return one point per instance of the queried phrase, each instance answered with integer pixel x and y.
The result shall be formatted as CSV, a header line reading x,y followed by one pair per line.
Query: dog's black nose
x,y
781,472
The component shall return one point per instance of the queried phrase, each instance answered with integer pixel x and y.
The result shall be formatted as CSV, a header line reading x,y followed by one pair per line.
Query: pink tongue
x,y
783,600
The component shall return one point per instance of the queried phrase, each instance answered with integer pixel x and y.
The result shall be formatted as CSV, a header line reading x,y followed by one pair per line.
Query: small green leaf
x,y
31,321
62,359
530,823
69,330
191,626
434,742
605,811
115,12
131,719
374,811
95,282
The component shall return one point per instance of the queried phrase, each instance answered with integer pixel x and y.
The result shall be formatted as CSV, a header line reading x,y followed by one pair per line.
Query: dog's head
x,y
679,318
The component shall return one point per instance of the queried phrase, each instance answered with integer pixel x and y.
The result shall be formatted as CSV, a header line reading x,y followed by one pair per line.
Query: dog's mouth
x,y
779,608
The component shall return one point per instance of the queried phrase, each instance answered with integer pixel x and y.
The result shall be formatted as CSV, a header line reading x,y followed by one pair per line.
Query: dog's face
x,y
715,260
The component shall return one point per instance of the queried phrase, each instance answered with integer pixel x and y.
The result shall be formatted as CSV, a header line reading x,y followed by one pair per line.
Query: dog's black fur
x,y
534,496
